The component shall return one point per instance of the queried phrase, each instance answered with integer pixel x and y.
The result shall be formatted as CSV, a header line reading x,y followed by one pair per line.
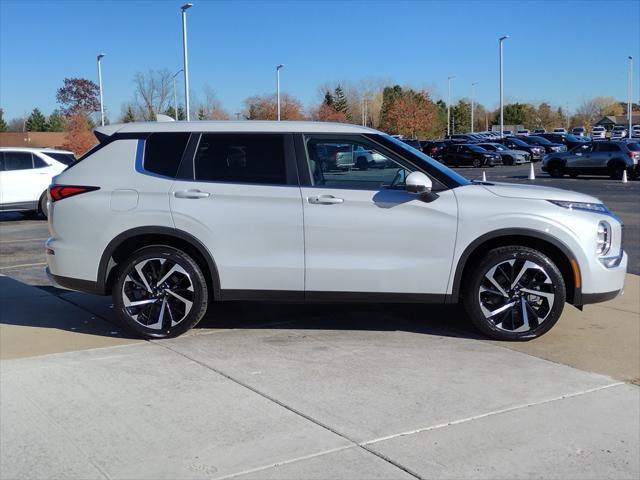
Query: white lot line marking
x,y
12,267
489,414
23,240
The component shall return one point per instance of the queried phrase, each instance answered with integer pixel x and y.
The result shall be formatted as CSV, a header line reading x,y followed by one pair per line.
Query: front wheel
x,y
515,293
556,170
477,163
160,292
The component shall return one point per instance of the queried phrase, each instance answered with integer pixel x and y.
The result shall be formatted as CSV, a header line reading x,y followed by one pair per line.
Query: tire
x,y
616,170
137,281
508,161
42,206
555,169
534,272
477,163
573,175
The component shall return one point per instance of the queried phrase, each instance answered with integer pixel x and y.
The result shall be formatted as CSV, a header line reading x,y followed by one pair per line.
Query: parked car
x,y
571,141
25,174
196,212
579,131
618,132
598,133
538,131
549,147
524,132
508,156
435,148
470,154
598,158
560,130
464,138
350,156
412,143
635,131
517,144
507,132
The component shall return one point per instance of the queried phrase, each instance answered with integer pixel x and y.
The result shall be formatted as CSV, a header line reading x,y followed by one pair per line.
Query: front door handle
x,y
325,200
193,194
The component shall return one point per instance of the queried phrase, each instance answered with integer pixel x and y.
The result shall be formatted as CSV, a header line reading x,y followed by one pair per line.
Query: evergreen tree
x,y
202,115
56,122
389,96
36,122
340,102
129,115
3,124
328,99
170,112
181,113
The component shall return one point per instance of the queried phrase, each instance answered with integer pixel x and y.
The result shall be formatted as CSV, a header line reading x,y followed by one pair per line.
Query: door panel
x,y
21,182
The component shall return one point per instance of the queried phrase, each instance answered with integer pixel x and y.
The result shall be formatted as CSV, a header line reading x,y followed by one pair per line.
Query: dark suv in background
x,y
571,141
549,147
537,153
460,154
597,158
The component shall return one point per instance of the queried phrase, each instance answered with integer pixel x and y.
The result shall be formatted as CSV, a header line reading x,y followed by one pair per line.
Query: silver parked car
x,y
509,157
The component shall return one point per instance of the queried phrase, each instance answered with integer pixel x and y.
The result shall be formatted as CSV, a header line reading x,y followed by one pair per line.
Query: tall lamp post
x,y
501,39
449,105
175,96
278,68
472,105
630,94
100,85
185,58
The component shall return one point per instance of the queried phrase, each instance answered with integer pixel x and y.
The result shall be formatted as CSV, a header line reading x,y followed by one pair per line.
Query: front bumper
x,y
603,283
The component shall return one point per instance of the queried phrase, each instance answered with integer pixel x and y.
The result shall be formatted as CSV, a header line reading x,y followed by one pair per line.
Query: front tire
x,y
556,170
160,292
515,293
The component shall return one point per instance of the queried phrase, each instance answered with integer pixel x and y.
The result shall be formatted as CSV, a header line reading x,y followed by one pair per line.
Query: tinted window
x,y
163,152
353,166
17,161
517,142
634,147
539,140
606,147
64,158
38,162
241,158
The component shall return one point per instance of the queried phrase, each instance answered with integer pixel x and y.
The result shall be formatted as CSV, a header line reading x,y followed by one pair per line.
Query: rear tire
x,y
556,170
616,171
160,292
501,294
42,206
477,163
508,161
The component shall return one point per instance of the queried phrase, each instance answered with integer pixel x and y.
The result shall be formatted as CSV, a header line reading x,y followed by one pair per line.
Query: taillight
x,y
633,155
58,192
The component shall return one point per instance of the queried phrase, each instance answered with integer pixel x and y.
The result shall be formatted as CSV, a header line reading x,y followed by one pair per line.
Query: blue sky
x,y
560,51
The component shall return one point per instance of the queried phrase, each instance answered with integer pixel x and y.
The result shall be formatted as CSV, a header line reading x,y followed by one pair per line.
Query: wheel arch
x,y
131,240
553,248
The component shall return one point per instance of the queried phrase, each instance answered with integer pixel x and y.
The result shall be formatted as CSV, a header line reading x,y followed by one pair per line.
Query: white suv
x,y
25,174
171,216
598,133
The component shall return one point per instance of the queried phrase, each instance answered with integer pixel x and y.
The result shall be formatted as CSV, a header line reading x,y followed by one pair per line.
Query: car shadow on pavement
x,y
51,307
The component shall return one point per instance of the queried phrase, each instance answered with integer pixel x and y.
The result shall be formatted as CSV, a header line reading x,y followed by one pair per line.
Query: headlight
x,y
603,241
590,207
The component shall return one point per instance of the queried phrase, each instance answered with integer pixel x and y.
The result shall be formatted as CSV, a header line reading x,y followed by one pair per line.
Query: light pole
x,y
278,87
100,84
175,96
185,57
449,105
629,95
502,39
472,85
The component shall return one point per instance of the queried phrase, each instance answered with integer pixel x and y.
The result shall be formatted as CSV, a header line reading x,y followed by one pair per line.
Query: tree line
x,y
376,103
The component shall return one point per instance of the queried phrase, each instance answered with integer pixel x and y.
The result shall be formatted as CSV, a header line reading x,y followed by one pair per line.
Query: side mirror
x,y
418,182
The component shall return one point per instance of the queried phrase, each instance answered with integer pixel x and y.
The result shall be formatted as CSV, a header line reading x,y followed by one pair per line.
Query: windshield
x,y
540,140
573,138
418,155
518,142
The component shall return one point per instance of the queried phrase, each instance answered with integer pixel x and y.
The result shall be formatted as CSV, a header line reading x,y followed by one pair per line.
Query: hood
x,y
536,192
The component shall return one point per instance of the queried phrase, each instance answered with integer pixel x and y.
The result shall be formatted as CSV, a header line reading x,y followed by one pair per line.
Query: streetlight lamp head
x,y
504,37
279,66
630,57
100,56
186,6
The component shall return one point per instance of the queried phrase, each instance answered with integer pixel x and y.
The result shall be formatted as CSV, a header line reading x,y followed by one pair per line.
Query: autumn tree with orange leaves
x,y
265,107
78,98
409,113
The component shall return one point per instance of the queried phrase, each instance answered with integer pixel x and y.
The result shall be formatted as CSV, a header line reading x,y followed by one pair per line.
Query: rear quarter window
x,y
163,152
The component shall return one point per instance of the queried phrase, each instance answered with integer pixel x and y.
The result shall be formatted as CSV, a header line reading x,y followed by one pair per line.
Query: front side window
x,y
18,161
241,158
163,152
353,165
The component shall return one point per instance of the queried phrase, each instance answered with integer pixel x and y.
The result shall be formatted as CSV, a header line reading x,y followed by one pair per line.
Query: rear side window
x,y
607,147
64,158
241,158
634,147
163,152
38,162
18,161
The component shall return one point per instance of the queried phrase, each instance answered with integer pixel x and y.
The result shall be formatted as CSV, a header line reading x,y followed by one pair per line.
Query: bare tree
x,y
210,108
153,92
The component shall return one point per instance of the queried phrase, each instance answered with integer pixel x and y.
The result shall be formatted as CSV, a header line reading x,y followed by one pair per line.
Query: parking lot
x,y
316,391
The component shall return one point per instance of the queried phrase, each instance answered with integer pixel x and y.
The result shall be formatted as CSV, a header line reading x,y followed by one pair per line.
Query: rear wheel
x,y
507,160
160,292
477,163
515,293
616,170
555,169
42,206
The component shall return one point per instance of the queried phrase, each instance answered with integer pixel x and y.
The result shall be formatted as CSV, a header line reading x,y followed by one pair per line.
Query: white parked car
x,y
635,131
579,131
538,131
618,132
560,130
25,174
350,156
598,133
169,217
524,132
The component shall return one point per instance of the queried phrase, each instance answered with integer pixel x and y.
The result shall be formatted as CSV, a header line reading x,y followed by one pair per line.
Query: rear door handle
x,y
193,194
325,200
